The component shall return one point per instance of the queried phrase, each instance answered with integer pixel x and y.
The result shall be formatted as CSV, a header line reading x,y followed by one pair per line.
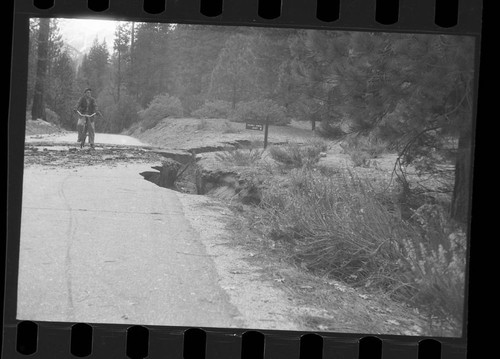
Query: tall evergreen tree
x,y
235,75
95,67
64,94
121,56
148,74
38,107
194,50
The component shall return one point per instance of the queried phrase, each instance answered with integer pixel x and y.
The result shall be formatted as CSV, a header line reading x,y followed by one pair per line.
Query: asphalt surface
x,y
71,137
99,244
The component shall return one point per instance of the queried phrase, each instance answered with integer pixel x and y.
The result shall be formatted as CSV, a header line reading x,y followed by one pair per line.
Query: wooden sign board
x,y
254,126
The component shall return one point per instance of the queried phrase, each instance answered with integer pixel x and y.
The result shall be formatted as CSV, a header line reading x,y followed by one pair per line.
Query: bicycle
x,y
86,126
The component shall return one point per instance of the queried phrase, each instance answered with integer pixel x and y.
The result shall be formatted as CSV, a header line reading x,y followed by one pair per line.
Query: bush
x,y
213,109
240,157
372,147
52,117
330,130
335,224
359,158
191,102
295,155
160,107
260,112
228,128
362,149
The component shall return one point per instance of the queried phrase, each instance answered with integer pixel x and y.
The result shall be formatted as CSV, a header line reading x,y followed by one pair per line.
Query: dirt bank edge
x,y
261,304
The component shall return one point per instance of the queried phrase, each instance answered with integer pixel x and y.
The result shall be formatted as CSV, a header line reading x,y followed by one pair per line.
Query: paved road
x,y
101,244
100,138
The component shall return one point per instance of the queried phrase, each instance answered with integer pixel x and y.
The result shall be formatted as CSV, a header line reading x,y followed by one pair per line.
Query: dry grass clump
x,y
362,149
336,224
295,155
240,157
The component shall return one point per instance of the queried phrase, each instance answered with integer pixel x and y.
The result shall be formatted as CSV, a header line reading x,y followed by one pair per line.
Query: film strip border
x,y
443,16
66,340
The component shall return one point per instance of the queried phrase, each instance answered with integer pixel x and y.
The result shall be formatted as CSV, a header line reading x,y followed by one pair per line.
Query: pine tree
x,y
149,68
235,75
193,52
95,66
121,56
38,107
63,96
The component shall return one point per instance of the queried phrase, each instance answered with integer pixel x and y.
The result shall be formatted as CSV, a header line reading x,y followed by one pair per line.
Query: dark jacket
x,y
87,106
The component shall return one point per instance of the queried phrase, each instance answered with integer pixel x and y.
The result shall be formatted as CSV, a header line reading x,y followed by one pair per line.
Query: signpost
x,y
254,126
259,127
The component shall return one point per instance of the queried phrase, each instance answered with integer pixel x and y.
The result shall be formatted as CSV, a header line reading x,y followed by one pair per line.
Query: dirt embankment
x,y
190,133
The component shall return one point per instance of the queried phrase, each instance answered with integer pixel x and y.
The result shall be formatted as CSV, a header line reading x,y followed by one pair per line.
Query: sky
x,y
80,33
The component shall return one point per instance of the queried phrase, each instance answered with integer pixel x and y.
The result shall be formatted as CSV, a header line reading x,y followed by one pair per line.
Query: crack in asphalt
x,y
70,232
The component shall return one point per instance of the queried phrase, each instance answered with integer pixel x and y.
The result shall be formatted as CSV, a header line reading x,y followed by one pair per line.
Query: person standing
x,y
87,105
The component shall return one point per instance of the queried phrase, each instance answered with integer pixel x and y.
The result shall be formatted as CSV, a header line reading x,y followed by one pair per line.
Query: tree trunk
x,y
119,77
38,107
132,84
233,96
462,189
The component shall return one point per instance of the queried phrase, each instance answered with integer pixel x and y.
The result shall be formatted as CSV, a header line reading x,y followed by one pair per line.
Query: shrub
x,y
213,109
260,111
52,117
296,155
240,157
160,107
191,102
437,274
330,130
228,128
202,125
372,147
334,223
359,158
318,144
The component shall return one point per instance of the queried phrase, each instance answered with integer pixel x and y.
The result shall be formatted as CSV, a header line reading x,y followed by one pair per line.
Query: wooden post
x,y
266,131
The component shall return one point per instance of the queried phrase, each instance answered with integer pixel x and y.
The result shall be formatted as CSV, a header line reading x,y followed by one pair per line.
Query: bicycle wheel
x,y
85,129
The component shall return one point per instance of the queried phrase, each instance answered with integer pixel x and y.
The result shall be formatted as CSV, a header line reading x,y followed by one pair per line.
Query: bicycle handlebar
x,y
81,114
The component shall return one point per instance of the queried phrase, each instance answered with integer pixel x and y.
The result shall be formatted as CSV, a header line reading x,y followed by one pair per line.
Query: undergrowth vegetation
x,y
240,156
339,224
213,109
334,223
296,155
160,107
363,149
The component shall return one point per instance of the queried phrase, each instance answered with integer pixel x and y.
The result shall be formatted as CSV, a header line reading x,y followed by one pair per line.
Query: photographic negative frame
x,y
55,338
